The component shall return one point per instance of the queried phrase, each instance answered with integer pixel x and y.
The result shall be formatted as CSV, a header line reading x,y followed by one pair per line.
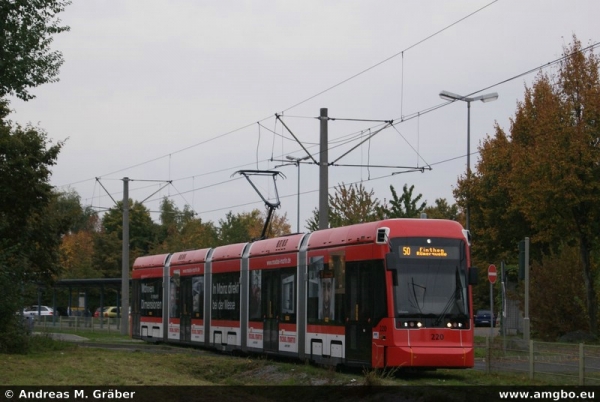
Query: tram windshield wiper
x,y
452,300
415,299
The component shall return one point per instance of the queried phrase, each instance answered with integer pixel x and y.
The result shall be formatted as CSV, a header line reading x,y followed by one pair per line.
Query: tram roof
x,y
399,227
276,245
359,233
150,261
228,252
189,257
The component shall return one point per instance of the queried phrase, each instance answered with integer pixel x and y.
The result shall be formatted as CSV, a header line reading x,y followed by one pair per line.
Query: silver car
x,y
37,310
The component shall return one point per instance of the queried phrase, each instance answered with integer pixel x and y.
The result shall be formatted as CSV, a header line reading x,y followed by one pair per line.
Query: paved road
x,y
485,331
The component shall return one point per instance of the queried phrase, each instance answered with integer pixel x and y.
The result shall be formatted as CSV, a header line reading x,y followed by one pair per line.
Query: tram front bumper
x,y
438,357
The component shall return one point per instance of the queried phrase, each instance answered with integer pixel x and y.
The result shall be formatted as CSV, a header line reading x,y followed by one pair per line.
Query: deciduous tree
x,y
241,227
279,226
181,230
246,226
29,234
544,180
108,243
76,255
559,305
347,206
404,206
556,134
26,59
443,210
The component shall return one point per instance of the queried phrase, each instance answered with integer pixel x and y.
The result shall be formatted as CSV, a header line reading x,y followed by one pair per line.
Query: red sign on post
x,y
492,273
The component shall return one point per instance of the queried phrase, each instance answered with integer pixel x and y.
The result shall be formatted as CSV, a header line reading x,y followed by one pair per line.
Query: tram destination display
x,y
441,252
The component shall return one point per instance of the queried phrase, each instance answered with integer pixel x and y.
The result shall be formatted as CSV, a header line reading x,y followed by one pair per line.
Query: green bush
x,y
13,334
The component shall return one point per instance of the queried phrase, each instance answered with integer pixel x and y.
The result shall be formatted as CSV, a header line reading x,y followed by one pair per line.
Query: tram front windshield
x,y
430,283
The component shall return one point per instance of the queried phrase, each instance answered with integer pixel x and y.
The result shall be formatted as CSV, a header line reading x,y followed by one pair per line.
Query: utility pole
x,y
484,98
526,321
323,173
124,306
324,160
125,262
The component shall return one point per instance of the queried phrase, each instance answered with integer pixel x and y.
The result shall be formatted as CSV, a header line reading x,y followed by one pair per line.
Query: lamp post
x,y
296,162
484,98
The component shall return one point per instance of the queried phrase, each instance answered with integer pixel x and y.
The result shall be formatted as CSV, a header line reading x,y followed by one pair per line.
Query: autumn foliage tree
x,y
77,246
246,226
556,272
543,180
443,210
108,243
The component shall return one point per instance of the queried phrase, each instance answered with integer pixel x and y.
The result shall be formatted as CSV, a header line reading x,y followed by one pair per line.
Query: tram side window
x,y
174,296
314,270
288,295
225,297
326,290
151,298
255,295
198,297
273,295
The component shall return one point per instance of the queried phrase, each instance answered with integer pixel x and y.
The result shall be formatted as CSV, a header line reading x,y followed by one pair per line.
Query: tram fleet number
x,y
434,337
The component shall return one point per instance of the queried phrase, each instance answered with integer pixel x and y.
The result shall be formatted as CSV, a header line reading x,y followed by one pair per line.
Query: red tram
x,y
392,293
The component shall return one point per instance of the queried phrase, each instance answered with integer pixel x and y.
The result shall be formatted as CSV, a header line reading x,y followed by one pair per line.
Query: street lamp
x,y
296,162
484,98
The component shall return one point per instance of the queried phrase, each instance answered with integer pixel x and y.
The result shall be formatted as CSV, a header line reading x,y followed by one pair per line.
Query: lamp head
x,y
450,96
489,97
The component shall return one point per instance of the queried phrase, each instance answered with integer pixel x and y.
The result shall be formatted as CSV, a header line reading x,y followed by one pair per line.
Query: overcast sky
x,y
175,90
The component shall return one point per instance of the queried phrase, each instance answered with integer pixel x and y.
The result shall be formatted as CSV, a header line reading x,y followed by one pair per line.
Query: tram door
x,y
359,312
185,306
271,310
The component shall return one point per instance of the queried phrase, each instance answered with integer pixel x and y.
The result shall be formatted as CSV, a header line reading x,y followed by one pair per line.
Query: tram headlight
x,y
455,324
412,324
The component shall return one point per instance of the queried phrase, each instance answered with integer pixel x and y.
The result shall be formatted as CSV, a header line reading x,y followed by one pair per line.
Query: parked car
x,y
98,312
483,318
110,311
34,310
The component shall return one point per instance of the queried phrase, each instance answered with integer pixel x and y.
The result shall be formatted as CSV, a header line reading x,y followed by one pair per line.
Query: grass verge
x,y
54,362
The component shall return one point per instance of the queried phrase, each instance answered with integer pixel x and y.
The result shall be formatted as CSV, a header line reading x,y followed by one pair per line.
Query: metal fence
x,y
49,323
556,363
